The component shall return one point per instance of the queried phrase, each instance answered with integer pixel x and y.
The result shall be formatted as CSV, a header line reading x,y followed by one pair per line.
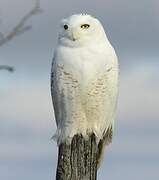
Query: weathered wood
x,y
77,161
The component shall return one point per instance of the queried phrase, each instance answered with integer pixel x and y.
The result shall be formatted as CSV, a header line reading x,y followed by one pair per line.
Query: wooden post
x,y
77,161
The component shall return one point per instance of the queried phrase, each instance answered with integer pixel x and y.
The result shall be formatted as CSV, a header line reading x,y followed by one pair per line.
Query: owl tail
x,y
107,139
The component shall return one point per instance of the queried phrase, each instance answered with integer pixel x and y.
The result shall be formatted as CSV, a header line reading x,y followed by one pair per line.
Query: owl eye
x,y
85,26
65,26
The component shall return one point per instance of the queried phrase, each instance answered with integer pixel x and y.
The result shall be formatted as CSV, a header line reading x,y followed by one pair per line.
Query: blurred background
x,y
26,113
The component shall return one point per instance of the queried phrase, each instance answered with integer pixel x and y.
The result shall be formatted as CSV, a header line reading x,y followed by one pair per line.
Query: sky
x,y
26,112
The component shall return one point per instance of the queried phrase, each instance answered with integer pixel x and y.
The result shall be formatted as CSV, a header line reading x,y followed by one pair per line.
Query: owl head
x,y
81,29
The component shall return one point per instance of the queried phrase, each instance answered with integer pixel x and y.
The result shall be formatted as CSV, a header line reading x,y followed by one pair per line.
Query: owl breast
x,y
87,84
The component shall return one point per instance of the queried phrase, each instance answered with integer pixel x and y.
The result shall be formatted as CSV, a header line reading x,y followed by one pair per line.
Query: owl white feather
x,y
84,81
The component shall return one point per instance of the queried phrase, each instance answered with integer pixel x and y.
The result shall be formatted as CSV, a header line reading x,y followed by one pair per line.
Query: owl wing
x,y
54,92
64,91
108,134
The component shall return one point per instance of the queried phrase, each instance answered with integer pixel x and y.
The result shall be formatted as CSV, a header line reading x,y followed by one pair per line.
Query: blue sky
x,y
26,113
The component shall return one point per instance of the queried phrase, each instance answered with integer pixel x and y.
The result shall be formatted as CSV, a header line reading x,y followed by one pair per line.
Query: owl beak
x,y
73,39
74,36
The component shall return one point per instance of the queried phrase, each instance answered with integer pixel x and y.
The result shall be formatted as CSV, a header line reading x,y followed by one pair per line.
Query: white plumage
x,y
84,81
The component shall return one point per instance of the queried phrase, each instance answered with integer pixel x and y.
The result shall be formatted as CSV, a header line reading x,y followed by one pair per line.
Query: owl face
x,y
78,30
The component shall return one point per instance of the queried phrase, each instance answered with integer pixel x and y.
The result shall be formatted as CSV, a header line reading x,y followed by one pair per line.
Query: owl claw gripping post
x,y
84,81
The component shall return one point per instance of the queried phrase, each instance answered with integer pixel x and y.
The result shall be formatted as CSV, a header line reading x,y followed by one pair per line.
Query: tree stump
x,y
77,161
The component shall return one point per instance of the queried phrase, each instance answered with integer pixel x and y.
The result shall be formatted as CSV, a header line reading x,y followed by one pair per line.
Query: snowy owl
x,y
84,81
